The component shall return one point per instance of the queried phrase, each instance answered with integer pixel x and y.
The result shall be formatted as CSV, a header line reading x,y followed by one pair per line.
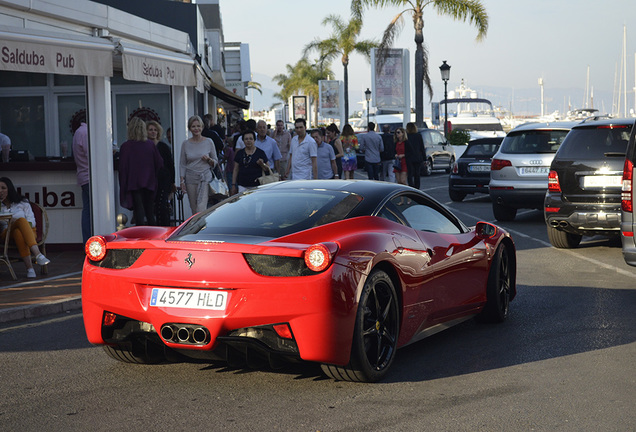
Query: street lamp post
x,y
367,96
445,70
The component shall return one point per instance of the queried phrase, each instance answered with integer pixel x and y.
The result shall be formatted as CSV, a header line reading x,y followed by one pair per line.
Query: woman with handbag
x,y
198,157
249,164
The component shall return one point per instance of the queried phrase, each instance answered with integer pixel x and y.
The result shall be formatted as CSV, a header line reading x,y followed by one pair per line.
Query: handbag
x,y
218,185
269,178
397,164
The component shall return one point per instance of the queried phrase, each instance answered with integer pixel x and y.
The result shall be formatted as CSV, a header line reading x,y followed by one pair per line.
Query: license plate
x,y
189,299
534,170
603,181
479,168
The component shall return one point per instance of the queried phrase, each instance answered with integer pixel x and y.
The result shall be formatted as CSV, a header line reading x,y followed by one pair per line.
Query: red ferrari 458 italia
x,y
336,272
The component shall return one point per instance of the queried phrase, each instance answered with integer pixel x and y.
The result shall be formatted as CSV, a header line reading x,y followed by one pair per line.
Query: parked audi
x,y
519,169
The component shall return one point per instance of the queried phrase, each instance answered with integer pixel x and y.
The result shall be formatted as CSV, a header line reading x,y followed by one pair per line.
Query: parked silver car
x,y
519,170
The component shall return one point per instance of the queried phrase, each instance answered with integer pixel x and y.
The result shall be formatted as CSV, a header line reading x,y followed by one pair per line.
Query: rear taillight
x,y
553,182
626,194
498,164
95,248
455,168
317,257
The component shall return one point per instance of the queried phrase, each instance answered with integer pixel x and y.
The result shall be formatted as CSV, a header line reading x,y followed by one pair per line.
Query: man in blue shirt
x,y
326,158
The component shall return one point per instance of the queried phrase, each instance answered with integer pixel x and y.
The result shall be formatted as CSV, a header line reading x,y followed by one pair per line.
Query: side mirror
x,y
485,230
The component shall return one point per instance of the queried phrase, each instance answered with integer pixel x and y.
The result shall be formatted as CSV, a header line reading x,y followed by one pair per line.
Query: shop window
x,y
22,79
127,105
68,80
22,119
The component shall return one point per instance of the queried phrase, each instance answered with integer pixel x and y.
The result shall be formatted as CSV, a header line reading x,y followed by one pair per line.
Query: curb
x,y
40,310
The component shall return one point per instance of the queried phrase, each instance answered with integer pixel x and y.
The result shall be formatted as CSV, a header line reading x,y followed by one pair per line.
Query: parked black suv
x,y
584,183
628,222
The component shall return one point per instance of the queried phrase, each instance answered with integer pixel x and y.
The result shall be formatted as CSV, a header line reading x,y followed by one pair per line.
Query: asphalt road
x,y
564,361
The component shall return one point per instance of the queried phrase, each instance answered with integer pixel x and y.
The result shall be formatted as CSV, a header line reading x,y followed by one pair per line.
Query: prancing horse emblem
x,y
189,261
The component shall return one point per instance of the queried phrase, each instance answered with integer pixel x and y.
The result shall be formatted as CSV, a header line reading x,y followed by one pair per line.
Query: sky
x,y
556,40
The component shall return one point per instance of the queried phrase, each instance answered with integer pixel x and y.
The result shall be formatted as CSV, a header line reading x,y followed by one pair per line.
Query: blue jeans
x,y
86,212
373,170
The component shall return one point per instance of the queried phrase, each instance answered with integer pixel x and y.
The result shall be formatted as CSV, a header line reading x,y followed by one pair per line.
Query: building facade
x,y
61,64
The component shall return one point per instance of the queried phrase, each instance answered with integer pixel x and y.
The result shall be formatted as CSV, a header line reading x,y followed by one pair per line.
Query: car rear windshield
x,y
270,214
533,141
595,143
481,150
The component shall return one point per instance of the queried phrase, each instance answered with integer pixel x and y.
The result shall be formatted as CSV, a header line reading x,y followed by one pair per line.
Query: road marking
x,y
39,323
547,244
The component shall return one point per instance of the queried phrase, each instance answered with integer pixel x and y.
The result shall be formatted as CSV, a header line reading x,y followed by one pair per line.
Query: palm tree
x,y
302,78
255,86
465,10
342,42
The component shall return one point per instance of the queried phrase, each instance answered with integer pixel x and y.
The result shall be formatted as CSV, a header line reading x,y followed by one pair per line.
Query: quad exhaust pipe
x,y
186,334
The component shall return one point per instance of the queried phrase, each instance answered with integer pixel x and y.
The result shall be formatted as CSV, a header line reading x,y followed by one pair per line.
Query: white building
x,y
60,64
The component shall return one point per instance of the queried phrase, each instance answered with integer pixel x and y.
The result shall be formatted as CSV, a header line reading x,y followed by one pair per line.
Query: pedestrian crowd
x,y
251,153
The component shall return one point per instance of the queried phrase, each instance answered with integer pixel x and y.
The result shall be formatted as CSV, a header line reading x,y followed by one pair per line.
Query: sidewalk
x,y
56,292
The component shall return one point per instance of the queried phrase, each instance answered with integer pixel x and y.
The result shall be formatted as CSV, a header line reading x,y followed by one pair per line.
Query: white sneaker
x,y
42,260
31,273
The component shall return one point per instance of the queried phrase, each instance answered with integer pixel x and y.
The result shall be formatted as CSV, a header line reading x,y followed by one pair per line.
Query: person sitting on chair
x,y
22,225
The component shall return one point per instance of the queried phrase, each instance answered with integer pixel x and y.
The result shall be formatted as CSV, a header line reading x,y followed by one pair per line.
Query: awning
x,y
58,53
157,67
229,97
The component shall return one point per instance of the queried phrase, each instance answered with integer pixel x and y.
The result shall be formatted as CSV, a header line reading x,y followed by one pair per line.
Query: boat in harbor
x,y
468,112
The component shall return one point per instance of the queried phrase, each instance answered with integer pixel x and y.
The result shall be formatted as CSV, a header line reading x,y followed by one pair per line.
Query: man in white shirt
x,y
303,153
268,145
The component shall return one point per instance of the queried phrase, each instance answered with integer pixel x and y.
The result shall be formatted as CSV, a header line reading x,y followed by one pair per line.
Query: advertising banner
x,y
329,97
299,107
389,81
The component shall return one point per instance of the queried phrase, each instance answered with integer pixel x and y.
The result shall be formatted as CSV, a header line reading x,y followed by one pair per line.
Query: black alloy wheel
x,y
498,291
375,334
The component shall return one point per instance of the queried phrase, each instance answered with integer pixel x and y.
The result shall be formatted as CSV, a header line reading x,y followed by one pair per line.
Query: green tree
x,y
463,10
342,42
302,78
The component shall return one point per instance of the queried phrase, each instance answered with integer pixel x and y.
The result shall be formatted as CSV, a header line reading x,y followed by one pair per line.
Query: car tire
x,y
375,333
450,166
499,288
563,240
136,352
427,167
456,196
503,213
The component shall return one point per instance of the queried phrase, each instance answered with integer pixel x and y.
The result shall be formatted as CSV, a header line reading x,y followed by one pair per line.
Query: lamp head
x,y
445,70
